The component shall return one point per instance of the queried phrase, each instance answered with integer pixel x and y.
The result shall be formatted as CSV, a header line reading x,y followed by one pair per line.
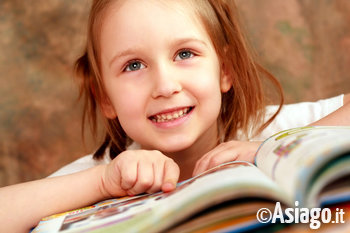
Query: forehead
x,y
137,18
145,8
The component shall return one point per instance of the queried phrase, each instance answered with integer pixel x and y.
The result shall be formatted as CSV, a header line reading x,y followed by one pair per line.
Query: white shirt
x,y
290,116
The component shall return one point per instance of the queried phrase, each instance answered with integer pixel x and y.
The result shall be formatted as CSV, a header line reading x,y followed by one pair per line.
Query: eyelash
x,y
192,54
140,64
127,66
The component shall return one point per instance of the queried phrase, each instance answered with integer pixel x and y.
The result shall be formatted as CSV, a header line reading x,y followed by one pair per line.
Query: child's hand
x,y
226,152
137,171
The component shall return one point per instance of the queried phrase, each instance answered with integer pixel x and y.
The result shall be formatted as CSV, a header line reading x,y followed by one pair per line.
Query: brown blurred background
x,y
305,43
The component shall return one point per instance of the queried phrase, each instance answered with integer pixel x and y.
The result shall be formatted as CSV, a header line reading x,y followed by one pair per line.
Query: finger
x,y
158,169
249,156
215,159
223,157
171,176
203,163
145,177
128,174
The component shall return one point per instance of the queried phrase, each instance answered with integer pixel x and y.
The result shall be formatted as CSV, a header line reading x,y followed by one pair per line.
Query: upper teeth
x,y
170,116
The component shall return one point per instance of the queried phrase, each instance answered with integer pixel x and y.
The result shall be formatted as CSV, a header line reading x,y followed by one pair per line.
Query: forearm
x,y
338,117
23,205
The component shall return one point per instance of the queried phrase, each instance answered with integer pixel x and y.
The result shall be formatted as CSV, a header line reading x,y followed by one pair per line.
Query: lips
x,y
170,115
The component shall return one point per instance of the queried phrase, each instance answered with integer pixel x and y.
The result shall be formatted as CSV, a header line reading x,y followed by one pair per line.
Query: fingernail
x,y
168,186
130,194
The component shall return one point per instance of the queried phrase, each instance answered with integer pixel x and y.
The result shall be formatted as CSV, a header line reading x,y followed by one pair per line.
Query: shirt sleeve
x,y
298,115
87,162
80,164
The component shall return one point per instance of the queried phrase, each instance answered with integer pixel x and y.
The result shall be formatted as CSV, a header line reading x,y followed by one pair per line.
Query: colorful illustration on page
x,y
282,151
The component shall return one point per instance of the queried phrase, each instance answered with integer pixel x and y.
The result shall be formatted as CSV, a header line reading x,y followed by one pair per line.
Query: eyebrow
x,y
187,40
175,42
122,54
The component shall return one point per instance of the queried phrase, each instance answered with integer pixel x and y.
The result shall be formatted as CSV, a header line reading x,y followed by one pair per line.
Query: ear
x,y
107,108
225,80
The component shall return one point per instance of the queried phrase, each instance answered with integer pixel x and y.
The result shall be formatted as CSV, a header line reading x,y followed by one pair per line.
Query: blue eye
x,y
184,54
133,66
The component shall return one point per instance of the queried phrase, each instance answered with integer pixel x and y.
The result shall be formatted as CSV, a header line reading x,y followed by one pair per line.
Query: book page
x,y
238,217
149,213
293,157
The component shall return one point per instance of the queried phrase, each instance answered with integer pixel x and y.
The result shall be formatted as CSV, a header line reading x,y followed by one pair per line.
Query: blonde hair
x,y
243,106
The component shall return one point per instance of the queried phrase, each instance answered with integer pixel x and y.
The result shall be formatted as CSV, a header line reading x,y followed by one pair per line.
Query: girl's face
x,y
161,74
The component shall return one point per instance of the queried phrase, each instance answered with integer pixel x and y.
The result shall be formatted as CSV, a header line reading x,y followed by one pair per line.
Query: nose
x,y
166,82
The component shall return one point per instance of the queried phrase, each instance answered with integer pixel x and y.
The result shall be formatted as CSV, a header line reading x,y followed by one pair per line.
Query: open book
x,y
310,165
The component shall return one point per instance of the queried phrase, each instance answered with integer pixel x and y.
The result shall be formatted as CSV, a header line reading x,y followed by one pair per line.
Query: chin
x,y
172,147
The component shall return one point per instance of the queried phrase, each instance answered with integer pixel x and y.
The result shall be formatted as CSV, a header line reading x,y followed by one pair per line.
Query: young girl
x,y
179,93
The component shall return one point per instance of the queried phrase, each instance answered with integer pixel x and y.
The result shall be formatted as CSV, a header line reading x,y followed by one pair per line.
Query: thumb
x,y
171,176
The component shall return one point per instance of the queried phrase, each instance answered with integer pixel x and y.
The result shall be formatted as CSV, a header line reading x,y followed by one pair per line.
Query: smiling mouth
x,y
170,116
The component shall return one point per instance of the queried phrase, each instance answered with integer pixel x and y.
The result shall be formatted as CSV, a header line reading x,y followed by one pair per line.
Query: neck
x,y
186,159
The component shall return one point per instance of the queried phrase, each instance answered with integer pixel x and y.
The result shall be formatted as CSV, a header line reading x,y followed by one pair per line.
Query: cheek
x,y
206,89
206,82
132,115
129,105
129,112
